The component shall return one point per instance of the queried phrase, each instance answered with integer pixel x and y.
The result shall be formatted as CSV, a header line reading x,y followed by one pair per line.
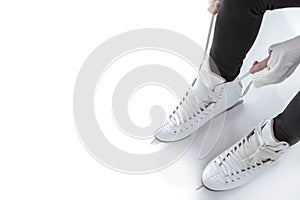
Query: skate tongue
x,y
255,143
207,77
256,140
267,133
202,91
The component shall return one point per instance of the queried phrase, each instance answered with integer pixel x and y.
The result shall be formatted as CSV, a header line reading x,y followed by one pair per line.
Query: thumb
x,y
258,66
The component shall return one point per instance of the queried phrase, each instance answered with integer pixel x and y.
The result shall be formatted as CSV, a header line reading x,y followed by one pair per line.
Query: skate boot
x,y
208,96
245,160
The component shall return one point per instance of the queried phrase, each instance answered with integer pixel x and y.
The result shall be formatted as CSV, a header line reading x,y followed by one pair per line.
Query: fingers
x,y
258,66
215,8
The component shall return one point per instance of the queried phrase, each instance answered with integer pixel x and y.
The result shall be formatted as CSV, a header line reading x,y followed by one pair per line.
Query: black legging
x,y
237,26
287,124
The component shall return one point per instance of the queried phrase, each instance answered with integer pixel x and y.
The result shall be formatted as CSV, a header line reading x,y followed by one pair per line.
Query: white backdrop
x,y
42,47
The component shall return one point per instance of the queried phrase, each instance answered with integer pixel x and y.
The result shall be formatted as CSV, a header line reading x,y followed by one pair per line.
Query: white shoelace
x,y
247,156
192,105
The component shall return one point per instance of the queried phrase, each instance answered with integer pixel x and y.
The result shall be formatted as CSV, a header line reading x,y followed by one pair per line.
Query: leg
x,y
237,26
287,124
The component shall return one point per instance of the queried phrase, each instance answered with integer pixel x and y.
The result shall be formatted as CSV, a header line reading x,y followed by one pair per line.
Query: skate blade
x,y
155,142
200,187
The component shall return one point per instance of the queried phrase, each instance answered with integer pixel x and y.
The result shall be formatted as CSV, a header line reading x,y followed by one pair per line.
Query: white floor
x,y
41,157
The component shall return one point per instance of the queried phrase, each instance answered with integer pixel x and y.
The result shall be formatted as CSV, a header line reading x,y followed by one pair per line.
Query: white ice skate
x,y
244,161
208,96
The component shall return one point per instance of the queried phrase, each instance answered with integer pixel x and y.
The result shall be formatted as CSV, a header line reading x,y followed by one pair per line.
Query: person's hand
x,y
214,6
282,61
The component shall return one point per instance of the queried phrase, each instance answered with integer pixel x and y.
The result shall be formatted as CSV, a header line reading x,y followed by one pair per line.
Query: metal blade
x,y
200,187
155,142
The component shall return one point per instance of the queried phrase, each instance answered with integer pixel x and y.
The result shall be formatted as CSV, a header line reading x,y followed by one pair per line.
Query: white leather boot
x,y
208,96
245,160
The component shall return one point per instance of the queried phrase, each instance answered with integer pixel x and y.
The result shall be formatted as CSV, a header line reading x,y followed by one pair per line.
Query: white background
x,y
42,47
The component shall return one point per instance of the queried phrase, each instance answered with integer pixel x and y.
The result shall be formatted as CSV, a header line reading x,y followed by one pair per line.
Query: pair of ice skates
x,y
209,96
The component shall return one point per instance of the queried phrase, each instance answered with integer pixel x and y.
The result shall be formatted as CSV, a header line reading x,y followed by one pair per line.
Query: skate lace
x,y
192,105
250,154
